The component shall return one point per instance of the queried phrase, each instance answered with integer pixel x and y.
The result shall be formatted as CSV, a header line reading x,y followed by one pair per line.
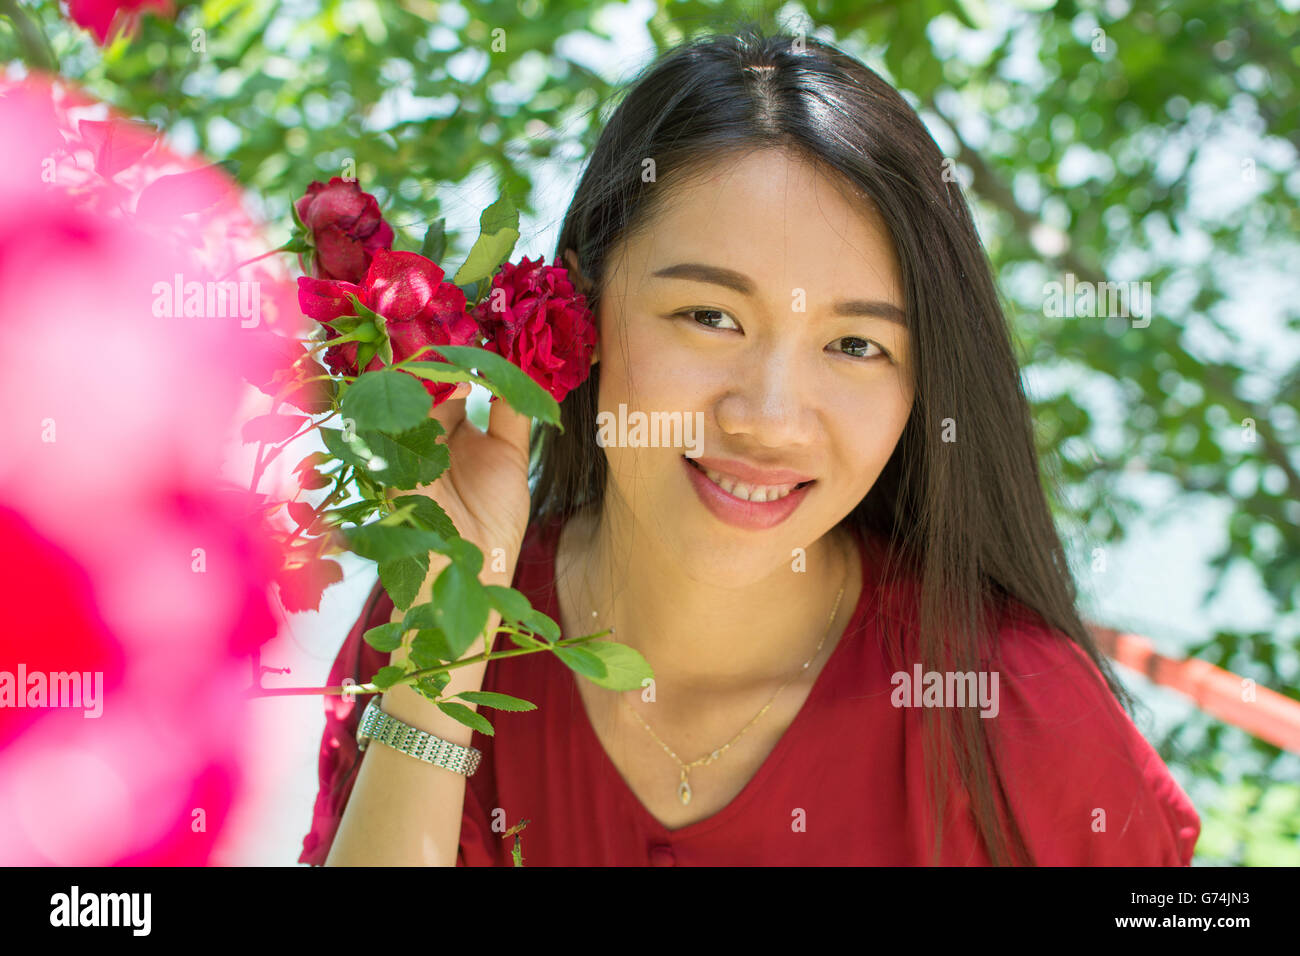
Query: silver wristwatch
x,y
376,725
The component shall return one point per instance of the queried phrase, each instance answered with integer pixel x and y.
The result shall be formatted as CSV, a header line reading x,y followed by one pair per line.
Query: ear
x,y
580,280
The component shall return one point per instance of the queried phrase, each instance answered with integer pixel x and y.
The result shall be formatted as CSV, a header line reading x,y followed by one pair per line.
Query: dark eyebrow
x,y
737,282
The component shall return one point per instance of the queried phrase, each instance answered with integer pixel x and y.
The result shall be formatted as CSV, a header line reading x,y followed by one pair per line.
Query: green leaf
x,y
398,517
460,607
498,233
486,255
352,451
381,543
386,401
420,616
582,661
428,514
511,603
435,242
354,513
467,555
487,698
431,687
625,668
442,372
385,637
386,677
506,379
473,290
402,578
502,214
410,458
541,625
429,648
437,682
523,640
469,718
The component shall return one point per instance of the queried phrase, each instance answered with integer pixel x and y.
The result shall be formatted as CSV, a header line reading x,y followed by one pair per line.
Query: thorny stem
x,y
249,262
370,688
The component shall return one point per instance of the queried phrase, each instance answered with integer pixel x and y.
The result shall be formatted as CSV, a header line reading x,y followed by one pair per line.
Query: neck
x,y
699,634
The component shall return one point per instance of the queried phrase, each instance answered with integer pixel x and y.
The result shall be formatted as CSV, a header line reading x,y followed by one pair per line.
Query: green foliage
x,y
486,698
502,377
386,402
405,460
498,233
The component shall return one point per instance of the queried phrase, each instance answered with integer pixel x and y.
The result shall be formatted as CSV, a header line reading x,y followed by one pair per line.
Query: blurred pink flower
x,y
97,15
123,554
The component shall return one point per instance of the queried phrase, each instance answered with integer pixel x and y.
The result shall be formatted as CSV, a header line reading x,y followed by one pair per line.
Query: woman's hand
x,y
485,491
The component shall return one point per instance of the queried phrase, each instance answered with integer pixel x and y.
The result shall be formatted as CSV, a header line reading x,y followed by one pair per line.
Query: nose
x,y
772,401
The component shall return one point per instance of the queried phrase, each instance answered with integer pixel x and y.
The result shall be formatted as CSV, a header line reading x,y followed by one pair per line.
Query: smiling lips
x,y
741,497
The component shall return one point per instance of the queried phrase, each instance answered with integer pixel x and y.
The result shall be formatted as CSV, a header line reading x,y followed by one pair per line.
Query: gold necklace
x,y
683,786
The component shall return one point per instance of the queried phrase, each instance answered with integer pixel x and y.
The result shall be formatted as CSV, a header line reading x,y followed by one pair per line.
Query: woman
x,y
876,658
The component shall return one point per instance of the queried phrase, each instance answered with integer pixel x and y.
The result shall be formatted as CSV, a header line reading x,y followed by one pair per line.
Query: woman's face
x,y
798,359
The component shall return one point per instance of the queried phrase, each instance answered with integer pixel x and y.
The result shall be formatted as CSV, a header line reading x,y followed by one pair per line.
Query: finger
x,y
510,426
451,411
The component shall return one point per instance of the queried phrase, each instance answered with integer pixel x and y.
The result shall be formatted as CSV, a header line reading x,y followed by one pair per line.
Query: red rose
x,y
97,15
419,308
534,317
346,228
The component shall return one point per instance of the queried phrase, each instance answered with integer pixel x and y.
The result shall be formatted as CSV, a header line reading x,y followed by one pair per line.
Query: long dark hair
x,y
968,517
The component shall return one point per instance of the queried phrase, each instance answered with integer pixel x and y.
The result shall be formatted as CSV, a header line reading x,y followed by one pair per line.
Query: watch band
x,y
376,725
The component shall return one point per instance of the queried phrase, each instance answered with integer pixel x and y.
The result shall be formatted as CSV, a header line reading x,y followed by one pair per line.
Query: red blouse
x,y
844,785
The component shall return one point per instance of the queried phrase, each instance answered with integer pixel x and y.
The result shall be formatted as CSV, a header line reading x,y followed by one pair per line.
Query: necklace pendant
x,y
684,792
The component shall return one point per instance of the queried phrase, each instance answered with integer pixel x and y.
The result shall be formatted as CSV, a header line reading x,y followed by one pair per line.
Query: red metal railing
x,y
1269,716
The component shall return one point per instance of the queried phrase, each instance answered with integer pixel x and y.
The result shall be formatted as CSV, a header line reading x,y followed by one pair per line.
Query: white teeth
x,y
756,493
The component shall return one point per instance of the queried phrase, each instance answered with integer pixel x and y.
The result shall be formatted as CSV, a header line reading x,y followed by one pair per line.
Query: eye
x,y
859,346
707,324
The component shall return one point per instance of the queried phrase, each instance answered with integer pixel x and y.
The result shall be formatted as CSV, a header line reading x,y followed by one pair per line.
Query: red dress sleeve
x,y
338,763
1086,787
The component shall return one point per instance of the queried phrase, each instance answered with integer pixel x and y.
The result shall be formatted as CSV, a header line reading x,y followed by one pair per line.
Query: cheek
x,y
648,369
870,425
645,370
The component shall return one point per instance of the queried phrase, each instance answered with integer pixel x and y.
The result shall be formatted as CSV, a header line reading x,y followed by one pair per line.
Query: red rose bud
x,y
419,308
346,228
535,318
